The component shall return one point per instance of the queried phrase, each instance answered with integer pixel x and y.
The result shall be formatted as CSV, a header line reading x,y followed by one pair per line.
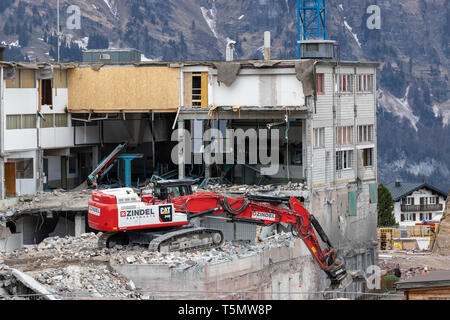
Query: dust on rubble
x,y
75,267
412,263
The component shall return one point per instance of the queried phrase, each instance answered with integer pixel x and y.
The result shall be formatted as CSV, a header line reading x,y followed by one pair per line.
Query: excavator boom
x,y
266,211
165,224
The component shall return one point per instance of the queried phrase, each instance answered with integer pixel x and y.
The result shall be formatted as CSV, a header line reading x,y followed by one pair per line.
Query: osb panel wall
x,y
60,78
28,79
124,89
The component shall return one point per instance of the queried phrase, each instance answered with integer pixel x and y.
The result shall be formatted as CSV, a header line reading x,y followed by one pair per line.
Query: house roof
x,y
402,189
438,278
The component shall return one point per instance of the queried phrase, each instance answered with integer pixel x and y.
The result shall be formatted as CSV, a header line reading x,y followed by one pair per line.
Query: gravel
x,y
77,268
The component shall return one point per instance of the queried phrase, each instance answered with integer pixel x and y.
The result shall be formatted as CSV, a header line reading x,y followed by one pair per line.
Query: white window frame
x,y
364,83
366,133
344,160
370,162
346,133
319,137
344,83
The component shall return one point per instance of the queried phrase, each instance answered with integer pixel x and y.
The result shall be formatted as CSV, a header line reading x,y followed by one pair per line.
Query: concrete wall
x,y
274,274
285,273
20,101
86,135
332,208
274,87
26,186
11,243
231,231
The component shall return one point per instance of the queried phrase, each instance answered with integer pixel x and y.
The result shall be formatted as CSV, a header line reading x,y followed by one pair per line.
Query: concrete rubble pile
x,y
286,190
76,268
57,200
412,264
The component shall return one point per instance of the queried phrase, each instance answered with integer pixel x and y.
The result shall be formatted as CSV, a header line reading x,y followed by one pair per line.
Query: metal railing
x,y
421,207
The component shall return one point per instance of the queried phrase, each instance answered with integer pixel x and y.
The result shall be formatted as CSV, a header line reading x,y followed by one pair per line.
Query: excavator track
x,y
105,239
181,240
187,239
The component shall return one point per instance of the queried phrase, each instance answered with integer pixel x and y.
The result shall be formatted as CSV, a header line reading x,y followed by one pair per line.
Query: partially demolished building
x,y
58,121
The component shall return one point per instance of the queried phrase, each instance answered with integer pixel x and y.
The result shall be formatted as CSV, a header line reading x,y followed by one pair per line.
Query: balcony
x,y
422,207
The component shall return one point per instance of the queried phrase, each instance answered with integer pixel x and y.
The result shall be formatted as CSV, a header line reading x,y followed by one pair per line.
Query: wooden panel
x,y
13,83
204,89
10,179
28,79
60,80
188,89
127,89
430,294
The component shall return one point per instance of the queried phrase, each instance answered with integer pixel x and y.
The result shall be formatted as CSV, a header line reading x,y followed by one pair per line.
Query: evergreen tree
x,y
385,207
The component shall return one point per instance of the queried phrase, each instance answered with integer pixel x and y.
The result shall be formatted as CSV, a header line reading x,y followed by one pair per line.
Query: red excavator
x,y
163,220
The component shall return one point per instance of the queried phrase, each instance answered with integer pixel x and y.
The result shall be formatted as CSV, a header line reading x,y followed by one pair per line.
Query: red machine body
x,y
123,210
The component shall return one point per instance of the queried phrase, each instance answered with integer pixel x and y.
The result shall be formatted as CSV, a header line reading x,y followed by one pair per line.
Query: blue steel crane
x,y
311,16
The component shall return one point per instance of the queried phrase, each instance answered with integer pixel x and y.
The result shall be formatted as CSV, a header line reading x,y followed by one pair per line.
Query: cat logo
x,y
165,213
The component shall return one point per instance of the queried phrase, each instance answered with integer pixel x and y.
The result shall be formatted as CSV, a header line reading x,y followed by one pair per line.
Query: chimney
x,y
267,45
2,52
398,184
230,50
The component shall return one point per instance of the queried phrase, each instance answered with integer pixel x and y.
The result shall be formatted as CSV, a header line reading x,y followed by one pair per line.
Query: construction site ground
x,y
412,263
75,268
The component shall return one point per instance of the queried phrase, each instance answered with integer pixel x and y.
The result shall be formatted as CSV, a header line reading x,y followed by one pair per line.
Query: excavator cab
x,y
166,189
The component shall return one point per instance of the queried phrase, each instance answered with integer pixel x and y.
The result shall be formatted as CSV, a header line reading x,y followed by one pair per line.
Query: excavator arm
x,y
267,211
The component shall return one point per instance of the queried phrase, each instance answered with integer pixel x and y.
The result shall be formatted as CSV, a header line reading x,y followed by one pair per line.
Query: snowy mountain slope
x,y
412,46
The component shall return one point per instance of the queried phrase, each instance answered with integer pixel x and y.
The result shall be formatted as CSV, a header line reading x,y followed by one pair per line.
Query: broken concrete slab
x,y
56,201
34,286
252,277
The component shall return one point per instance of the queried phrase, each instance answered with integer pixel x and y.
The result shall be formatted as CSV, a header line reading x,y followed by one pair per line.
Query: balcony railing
x,y
422,207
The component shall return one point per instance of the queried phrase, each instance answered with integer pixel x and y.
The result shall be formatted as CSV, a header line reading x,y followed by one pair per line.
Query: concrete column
x,y
181,150
267,45
2,129
95,156
80,224
2,179
40,170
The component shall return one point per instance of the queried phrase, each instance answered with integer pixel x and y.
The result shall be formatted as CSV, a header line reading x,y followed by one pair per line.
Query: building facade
x,y
416,202
59,121
39,141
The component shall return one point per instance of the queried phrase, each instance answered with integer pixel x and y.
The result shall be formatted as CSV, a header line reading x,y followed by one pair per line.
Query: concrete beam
x,y
245,114
33,285
80,224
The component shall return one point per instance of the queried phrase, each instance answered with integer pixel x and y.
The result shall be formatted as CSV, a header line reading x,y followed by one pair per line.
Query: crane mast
x,y
311,16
